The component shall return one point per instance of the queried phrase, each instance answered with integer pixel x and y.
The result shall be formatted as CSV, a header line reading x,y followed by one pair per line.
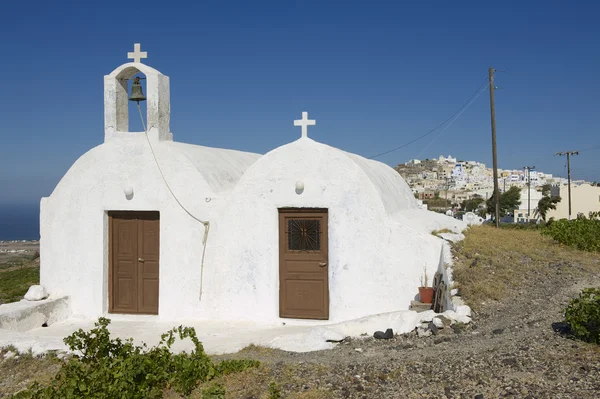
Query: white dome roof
x,y
221,168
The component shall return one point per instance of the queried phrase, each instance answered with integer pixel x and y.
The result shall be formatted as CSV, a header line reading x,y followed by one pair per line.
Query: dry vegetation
x,y
495,263
442,231
18,372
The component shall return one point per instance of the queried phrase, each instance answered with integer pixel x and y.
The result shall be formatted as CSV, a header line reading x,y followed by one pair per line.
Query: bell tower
x,y
116,97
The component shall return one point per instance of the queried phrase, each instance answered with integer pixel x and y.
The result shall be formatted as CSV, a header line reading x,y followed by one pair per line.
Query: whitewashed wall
x,y
74,222
374,261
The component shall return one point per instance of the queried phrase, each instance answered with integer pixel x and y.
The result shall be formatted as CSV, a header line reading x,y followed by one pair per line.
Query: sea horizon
x,y
19,222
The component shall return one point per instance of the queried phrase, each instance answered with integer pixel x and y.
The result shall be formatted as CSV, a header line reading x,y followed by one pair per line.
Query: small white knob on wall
x,y
128,191
299,185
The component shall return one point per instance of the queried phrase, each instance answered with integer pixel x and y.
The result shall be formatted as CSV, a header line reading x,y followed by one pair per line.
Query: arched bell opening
x,y
132,91
122,91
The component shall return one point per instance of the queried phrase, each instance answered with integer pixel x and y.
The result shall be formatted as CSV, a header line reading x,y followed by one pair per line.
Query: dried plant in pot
x,y
425,292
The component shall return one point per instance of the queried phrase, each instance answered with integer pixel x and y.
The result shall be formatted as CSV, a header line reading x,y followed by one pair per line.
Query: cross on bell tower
x,y
137,54
304,123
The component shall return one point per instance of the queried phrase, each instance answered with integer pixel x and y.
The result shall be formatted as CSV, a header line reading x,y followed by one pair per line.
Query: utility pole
x,y
529,168
568,154
495,158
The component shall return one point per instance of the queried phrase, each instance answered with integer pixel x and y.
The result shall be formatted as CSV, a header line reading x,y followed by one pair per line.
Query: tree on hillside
x,y
546,203
546,189
471,204
509,201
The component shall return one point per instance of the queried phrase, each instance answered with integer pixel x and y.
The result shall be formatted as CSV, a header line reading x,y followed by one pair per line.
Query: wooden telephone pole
x,y
495,158
568,154
529,168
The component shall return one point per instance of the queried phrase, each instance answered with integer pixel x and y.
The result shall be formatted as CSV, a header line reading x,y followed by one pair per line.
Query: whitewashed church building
x,y
142,224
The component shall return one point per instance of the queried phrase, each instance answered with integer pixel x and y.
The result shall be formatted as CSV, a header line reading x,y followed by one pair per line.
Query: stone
x,y
463,310
446,321
359,350
423,332
498,331
388,334
511,361
36,293
433,328
438,322
479,396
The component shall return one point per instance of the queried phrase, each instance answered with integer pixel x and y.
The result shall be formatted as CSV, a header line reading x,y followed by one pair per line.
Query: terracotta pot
x,y
426,294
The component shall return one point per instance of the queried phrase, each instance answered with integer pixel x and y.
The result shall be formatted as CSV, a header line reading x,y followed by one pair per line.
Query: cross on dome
x,y
305,122
137,54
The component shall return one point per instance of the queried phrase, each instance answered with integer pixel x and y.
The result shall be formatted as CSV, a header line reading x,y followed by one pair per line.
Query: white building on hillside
x,y
442,159
142,224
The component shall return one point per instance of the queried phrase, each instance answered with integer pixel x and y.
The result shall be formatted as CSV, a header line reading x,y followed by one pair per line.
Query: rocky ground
x,y
509,350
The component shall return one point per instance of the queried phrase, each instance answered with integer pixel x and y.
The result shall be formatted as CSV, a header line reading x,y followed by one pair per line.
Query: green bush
x,y
583,315
215,391
113,368
274,391
581,233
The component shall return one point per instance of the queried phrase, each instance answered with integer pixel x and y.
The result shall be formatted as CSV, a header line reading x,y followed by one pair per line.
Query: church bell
x,y
136,91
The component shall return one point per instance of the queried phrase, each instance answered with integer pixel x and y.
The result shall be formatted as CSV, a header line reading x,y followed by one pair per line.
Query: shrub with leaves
x,y
215,391
274,391
115,368
582,233
583,315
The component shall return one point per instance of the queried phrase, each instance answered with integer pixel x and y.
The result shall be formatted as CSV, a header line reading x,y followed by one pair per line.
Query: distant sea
x,y
19,222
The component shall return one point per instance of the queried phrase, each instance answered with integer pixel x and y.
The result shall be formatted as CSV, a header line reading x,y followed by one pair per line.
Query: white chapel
x,y
145,225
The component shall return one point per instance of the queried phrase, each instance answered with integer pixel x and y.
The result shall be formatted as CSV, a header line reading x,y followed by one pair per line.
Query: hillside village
x,y
446,183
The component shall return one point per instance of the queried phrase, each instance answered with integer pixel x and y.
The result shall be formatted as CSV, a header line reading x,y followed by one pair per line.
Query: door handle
x,y
141,260
323,264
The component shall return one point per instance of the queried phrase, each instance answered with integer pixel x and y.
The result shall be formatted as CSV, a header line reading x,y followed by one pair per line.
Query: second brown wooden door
x,y
303,264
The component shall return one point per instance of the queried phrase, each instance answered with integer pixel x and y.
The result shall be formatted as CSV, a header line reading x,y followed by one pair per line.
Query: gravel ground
x,y
510,350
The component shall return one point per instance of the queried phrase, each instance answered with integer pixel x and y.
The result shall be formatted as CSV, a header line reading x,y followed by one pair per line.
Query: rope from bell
x,y
205,223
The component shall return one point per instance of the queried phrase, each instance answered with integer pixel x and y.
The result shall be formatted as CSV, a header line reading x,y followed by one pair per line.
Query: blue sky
x,y
374,75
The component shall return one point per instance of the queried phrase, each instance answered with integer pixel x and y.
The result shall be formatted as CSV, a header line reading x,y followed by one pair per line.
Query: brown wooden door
x,y
134,248
303,264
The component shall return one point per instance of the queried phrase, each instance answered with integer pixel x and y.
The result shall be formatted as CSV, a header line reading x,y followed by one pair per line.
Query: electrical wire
x,y
472,100
204,222
591,148
486,83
